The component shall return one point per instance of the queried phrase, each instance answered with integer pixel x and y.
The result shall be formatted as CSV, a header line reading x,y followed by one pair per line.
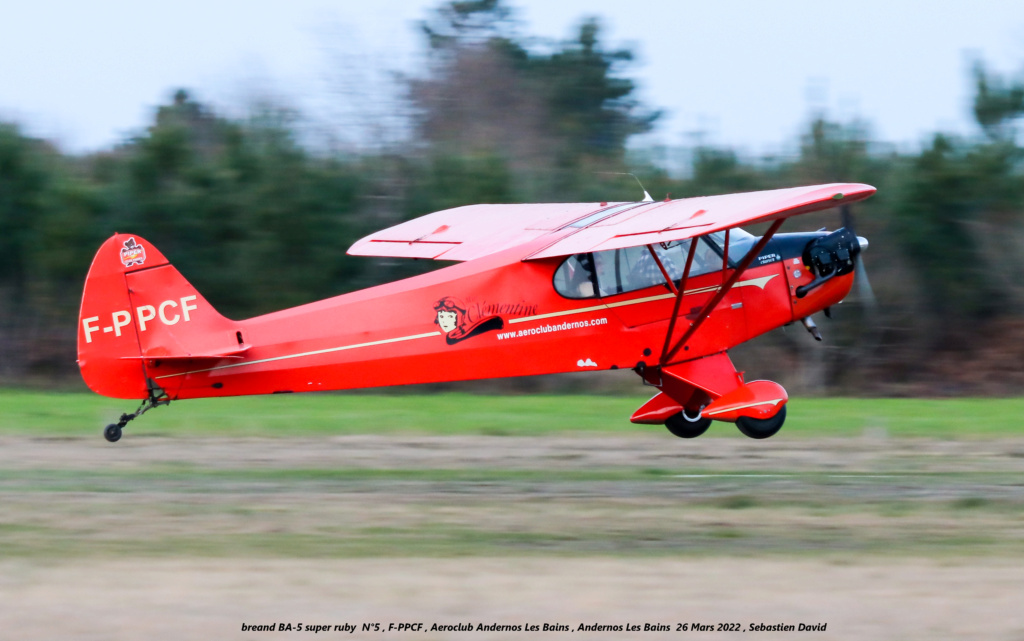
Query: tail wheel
x,y
762,427
685,425
112,433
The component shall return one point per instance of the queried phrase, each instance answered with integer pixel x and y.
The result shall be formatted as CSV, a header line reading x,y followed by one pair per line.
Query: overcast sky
x,y
746,73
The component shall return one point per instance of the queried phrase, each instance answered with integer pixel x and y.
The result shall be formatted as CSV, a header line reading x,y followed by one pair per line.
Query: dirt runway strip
x,y
871,452
165,538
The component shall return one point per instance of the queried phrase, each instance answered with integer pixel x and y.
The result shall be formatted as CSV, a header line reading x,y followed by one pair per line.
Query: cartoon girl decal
x,y
459,321
449,314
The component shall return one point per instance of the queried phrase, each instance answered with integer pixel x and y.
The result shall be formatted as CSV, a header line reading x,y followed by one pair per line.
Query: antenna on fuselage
x,y
647,197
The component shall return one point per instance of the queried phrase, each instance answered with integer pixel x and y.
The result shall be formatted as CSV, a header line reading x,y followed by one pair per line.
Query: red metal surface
x,y
657,410
756,399
106,330
715,375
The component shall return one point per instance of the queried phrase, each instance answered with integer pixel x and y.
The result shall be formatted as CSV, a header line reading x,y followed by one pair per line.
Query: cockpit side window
x,y
618,271
575,277
626,270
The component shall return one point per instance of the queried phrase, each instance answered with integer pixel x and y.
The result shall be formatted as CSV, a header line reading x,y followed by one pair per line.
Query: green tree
x,y
247,214
593,109
997,103
937,205
555,116
25,180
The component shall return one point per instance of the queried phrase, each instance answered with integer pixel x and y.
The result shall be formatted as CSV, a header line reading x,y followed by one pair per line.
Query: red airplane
x,y
660,288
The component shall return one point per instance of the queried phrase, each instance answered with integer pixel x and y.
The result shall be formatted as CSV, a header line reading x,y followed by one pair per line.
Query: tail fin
x,y
139,311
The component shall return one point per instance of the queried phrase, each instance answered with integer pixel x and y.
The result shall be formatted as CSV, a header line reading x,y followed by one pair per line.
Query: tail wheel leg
x,y
157,397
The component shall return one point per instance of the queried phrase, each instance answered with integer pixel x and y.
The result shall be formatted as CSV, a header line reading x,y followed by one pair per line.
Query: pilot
x,y
646,273
581,276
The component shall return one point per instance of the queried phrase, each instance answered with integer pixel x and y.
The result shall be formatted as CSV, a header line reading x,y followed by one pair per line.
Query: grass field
x,y
404,475
319,414
890,519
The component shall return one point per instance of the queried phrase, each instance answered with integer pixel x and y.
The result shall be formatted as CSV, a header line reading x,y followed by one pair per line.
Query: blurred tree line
x,y
258,221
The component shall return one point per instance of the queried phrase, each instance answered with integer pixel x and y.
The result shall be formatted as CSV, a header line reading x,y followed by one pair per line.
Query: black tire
x,y
762,427
684,426
112,433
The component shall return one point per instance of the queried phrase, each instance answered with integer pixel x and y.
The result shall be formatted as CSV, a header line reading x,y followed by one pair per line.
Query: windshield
x,y
740,243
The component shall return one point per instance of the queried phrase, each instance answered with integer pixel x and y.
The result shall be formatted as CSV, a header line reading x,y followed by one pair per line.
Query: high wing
x,y
465,233
680,219
469,232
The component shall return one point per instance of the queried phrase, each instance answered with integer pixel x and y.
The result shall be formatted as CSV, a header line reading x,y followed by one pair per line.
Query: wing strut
x,y
664,272
667,356
679,299
725,255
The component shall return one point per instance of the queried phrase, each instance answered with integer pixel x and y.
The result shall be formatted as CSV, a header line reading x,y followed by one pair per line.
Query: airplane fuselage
x,y
493,317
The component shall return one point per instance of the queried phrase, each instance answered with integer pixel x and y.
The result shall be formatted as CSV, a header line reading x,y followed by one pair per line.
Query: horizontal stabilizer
x,y
216,356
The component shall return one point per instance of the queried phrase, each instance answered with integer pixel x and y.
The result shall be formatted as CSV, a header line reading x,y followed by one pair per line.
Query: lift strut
x,y
668,354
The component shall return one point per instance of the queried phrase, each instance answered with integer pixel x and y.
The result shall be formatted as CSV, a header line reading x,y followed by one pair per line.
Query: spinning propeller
x,y
864,290
837,254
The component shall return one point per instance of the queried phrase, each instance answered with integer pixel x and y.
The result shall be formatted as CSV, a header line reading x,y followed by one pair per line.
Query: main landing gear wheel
x,y
112,433
762,427
685,426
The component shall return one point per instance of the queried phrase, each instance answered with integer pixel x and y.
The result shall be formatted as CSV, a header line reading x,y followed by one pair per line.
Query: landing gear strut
x,y
157,397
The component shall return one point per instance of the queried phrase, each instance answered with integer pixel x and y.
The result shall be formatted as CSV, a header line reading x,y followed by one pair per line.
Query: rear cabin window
x,y
617,271
575,277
